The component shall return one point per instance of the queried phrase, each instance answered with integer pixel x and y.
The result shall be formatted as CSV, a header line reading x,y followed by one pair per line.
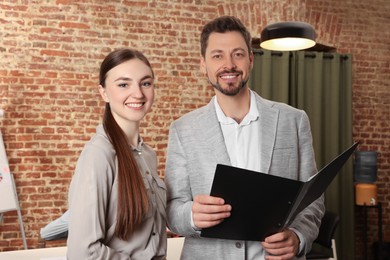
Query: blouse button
x,y
238,244
147,172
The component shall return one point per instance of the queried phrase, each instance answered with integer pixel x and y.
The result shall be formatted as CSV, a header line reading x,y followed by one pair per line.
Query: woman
x,y
116,199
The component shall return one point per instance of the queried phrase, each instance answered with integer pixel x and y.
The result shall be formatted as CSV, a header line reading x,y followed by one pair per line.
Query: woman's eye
x,y
146,84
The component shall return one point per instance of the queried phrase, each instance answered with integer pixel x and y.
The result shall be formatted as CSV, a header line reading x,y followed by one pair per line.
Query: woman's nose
x,y
136,91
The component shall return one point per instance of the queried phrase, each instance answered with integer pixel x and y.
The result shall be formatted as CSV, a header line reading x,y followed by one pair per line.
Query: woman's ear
x,y
103,93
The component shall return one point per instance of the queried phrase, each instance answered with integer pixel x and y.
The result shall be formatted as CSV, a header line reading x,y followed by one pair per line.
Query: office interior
x,y
50,54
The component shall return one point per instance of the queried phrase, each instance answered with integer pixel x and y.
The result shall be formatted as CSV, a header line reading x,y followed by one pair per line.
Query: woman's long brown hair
x,y
132,195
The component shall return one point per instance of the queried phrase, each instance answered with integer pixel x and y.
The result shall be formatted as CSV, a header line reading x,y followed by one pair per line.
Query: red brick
x,y
48,84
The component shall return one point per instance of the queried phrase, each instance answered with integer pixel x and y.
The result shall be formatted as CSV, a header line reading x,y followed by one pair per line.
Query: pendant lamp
x,y
287,36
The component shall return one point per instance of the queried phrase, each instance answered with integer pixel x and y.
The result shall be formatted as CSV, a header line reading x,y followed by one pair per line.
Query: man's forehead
x,y
231,40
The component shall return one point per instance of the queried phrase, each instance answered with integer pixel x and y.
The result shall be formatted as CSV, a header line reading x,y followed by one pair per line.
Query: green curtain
x,y
321,84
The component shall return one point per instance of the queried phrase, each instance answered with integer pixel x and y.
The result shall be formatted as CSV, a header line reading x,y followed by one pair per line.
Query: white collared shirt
x,y
243,145
242,139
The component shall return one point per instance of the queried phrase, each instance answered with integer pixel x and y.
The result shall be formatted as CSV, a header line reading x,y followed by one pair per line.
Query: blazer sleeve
x,y
179,195
308,221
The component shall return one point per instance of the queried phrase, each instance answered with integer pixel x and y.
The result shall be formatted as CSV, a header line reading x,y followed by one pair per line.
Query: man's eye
x,y
239,54
122,85
217,56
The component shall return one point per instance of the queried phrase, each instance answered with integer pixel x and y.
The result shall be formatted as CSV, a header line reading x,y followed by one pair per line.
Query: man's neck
x,y
235,107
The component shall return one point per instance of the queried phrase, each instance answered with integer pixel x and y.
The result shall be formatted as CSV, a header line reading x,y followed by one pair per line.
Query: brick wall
x,y
50,52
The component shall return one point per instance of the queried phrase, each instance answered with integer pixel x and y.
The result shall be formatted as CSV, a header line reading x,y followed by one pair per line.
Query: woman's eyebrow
x,y
130,79
123,78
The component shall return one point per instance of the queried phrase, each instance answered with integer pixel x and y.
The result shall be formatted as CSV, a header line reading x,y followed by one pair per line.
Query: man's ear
x,y
251,59
103,93
203,65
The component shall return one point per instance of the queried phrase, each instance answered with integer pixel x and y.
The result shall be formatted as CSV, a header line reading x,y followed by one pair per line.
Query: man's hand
x,y
281,246
208,211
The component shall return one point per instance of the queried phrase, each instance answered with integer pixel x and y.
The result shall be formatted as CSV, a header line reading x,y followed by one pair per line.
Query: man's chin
x,y
228,90
231,93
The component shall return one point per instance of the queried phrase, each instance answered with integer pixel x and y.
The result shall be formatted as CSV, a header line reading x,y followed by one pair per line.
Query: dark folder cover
x,y
264,204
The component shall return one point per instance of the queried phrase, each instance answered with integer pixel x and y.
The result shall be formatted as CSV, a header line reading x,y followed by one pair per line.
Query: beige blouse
x,y
93,205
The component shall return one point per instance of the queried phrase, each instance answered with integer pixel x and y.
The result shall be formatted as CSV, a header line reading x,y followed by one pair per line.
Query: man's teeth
x,y
228,76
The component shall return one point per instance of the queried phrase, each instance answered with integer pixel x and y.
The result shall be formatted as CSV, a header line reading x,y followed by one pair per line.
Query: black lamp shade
x,y
288,36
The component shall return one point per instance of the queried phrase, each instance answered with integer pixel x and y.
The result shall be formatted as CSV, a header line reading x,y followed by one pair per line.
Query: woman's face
x,y
129,89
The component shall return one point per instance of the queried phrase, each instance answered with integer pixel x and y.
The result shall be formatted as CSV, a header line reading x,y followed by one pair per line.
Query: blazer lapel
x,y
213,134
268,125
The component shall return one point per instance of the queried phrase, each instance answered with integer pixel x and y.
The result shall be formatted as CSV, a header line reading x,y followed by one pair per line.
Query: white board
x,y
8,199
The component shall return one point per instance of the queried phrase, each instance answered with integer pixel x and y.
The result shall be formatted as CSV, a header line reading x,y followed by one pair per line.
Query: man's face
x,y
227,62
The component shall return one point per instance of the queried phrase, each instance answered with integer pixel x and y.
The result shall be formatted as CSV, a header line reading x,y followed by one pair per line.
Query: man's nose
x,y
229,63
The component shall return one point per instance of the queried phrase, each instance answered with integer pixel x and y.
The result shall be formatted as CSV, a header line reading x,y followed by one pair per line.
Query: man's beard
x,y
231,90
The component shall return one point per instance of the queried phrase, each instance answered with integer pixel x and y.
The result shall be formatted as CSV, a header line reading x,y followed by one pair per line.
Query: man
x,y
241,129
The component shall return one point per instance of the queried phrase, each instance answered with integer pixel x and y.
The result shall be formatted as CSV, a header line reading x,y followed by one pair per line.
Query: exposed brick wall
x,y
50,52
364,34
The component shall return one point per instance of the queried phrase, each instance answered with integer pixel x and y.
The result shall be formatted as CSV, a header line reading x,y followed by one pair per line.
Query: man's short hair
x,y
221,25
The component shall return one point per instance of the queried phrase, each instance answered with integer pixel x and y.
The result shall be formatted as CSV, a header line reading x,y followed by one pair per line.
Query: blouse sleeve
x,y
88,201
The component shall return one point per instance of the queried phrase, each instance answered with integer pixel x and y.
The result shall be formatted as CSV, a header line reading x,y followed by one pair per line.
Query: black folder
x,y
264,204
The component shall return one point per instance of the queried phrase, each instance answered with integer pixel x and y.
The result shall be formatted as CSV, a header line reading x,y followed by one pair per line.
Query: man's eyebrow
x,y
239,49
234,50
215,51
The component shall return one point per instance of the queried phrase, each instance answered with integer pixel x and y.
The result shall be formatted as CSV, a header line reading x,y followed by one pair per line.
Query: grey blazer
x,y
196,145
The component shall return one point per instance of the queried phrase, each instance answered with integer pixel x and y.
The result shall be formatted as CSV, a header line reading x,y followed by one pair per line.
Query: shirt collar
x,y
140,144
252,115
